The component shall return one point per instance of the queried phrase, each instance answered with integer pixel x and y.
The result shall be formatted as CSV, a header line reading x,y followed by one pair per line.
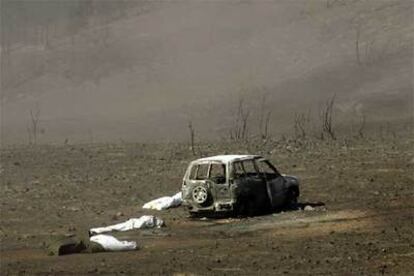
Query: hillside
x,y
141,72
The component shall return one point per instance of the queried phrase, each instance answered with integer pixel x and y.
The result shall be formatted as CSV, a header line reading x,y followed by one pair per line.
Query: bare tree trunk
x,y
261,116
299,126
192,135
29,134
266,127
327,119
34,127
357,38
245,117
362,126
264,119
240,129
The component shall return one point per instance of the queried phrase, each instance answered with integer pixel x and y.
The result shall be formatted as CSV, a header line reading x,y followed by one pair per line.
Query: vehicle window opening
x,y
199,172
193,172
202,172
267,169
218,173
238,170
250,168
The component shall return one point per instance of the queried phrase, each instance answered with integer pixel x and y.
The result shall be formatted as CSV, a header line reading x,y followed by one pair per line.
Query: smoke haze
x,y
106,71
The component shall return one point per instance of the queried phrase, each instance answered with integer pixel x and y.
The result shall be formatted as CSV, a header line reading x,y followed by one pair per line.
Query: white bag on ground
x,y
165,202
110,243
133,223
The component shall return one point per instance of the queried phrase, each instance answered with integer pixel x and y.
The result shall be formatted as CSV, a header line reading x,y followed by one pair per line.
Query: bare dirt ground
x,y
364,228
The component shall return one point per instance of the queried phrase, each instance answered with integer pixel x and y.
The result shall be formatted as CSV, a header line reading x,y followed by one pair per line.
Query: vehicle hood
x,y
291,179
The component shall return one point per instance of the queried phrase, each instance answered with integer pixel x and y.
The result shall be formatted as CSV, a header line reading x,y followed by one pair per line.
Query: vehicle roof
x,y
227,158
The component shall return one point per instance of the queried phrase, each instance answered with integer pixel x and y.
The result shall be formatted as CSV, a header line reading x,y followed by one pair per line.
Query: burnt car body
x,y
241,184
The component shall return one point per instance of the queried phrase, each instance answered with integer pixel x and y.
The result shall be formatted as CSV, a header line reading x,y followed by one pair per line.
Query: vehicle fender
x,y
292,182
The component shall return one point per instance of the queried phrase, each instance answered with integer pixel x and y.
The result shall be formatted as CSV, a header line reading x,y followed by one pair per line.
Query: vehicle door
x,y
196,175
275,182
237,179
218,180
255,182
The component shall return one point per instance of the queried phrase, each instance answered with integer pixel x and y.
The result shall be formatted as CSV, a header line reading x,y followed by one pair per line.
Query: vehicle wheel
x,y
292,198
252,208
200,195
247,208
240,209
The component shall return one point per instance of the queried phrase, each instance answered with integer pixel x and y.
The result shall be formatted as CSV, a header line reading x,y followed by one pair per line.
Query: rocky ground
x,y
365,226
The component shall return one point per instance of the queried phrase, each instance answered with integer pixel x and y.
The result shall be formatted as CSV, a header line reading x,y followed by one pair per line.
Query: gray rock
x,y
309,208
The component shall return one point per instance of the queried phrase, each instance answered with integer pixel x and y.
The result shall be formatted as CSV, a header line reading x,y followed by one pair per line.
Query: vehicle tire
x,y
252,208
240,209
246,207
292,197
201,195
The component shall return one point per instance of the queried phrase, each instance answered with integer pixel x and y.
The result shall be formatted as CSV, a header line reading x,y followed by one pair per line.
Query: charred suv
x,y
241,184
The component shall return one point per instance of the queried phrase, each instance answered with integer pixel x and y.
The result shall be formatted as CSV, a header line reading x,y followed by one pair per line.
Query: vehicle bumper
x,y
216,207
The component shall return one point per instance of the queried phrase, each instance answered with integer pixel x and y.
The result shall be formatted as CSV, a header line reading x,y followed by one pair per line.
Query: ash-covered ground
x,y
364,228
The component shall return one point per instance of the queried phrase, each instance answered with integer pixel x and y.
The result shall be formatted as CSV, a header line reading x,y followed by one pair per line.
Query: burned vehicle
x,y
241,184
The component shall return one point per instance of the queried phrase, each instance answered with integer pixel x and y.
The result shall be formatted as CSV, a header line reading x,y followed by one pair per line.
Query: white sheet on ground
x,y
165,202
133,223
110,243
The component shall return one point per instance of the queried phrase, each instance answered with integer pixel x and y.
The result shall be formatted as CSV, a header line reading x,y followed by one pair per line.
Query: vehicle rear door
x,y
218,178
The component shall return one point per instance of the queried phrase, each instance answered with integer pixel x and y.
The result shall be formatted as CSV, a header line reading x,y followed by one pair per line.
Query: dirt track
x,y
365,226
